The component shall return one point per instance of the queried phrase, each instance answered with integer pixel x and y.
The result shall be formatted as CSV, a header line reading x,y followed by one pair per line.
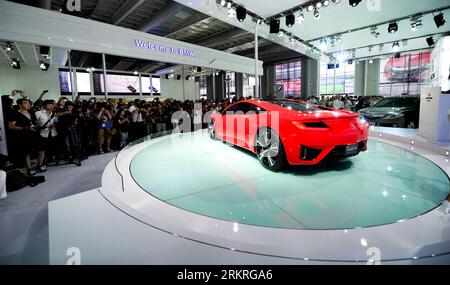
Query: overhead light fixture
x,y
291,40
310,8
319,5
404,43
274,26
316,14
188,77
439,20
323,45
300,17
416,22
231,13
371,61
44,66
336,1
326,3
354,3
280,34
178,77
135,72
167,76
374,31
290,20
398,55
381,47
229,5
8,47
395,47
370,48
241,13
223,3
393,28
430,41
15,63
45,52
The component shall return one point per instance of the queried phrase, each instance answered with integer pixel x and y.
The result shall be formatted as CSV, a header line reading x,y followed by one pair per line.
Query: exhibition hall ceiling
x,y
346,30
160,17
28,53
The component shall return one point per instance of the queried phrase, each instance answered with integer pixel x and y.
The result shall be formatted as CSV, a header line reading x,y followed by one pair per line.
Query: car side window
x,y
257,109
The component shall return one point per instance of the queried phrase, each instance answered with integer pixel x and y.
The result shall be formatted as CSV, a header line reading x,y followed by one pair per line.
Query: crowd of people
x,y
66,131
47,132
345,102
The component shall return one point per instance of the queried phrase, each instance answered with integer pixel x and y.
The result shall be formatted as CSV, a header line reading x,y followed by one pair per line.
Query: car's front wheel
x,y
269,150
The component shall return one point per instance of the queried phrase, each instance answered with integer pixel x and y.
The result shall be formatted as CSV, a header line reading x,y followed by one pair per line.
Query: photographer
x,y
22,126
67,131
46,120
104,118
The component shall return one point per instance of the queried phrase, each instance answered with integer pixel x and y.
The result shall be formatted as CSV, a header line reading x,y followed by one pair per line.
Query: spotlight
x,y
310,8
336,1
398,55
416,23
241,13
300,17
396,46
291,40
374,31
199,69
231,13
381,47
326,3
135,72
229,5
8,47
430,41
393,28
188,77
404,43
370,48
319,5
223,3
316,14
323,44
280,34
274,26
44,66
439,20
15,63
290,20
178,77
167,76
354,3
45,52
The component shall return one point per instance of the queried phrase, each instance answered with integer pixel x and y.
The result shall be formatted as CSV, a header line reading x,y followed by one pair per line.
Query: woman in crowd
x,y
22,126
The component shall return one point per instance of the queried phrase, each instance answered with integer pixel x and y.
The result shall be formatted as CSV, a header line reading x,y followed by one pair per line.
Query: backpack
x,y
15,180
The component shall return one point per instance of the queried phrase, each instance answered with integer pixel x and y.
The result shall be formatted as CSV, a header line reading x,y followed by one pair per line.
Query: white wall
x,y
172,88
31,79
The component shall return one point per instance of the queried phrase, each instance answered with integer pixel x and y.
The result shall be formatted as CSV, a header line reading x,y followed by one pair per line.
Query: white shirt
x,y
42,118
338,104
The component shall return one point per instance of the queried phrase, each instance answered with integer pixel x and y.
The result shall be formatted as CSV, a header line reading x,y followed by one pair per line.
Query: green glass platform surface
x,y
381,186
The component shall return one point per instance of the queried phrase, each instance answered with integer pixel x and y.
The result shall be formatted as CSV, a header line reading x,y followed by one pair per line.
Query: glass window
x,y
230,84
405,75
249,83
337,78
289,75
203,85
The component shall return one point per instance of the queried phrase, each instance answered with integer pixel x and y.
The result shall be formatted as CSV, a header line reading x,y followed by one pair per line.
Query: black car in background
x,y
400,112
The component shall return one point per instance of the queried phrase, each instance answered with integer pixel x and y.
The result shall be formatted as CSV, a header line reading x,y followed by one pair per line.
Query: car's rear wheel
x,y
269,150
212,130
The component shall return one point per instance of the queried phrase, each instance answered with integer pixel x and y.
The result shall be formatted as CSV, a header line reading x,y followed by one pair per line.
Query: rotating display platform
x,y
213,203
384,185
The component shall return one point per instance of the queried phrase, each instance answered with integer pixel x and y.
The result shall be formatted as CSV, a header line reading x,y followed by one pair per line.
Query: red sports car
x,y
282,131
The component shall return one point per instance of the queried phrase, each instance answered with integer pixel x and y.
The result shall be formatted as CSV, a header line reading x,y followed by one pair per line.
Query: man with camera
x,y
46,120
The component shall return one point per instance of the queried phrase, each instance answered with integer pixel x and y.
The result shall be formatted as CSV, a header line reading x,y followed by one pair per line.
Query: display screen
x,y
148,85
83,82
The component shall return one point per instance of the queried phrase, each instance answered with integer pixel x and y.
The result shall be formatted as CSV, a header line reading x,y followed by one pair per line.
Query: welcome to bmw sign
x,y
153,46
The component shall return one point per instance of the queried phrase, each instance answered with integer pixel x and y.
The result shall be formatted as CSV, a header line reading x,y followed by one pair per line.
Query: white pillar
x,y
256,64
104,75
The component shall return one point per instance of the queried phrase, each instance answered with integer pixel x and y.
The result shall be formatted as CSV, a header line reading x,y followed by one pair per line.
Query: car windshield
x,y
294,105
397,102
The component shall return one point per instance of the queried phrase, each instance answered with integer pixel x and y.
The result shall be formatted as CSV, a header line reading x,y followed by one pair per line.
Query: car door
x,y
252,123
234,123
